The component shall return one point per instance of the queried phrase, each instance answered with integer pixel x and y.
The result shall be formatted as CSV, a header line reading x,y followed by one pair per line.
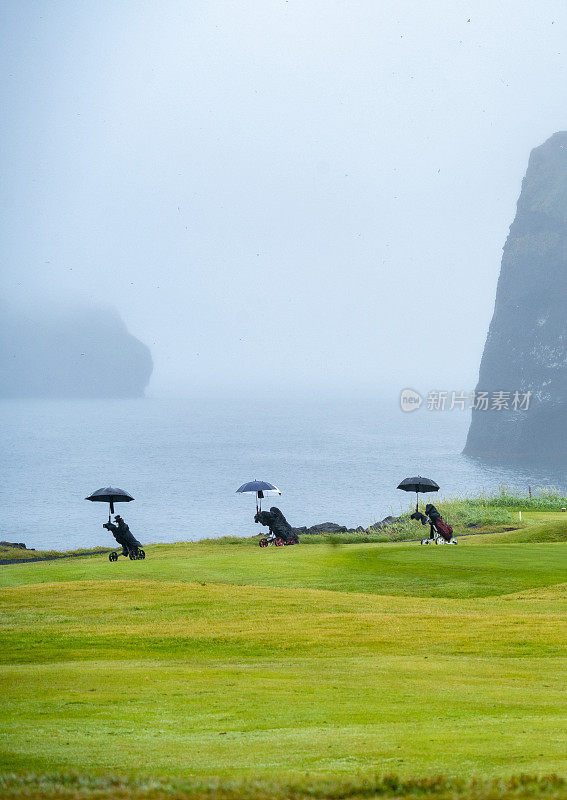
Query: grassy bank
x,y
462,513
541,499
485,513
229,671
85,787
8,554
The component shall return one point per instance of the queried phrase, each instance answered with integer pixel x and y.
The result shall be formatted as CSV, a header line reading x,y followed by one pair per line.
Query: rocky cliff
x,y
526,347
70,353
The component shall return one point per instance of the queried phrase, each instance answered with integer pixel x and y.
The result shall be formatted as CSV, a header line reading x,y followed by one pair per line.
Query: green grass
x,y
77,786
542,499
19,554
229,671
541,527
392,569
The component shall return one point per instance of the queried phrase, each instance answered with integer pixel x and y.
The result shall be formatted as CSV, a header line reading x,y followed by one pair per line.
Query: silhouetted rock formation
x,y
70,353
333,527
526,347
324,527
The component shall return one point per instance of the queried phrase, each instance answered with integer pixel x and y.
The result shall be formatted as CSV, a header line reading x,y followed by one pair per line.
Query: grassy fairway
x,y
301,664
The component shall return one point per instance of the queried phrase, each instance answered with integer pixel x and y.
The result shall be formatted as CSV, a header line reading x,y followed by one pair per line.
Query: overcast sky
x,y
277,195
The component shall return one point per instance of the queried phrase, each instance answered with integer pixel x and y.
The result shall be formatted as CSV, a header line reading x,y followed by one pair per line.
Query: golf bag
x,y
281,532
440,531
443,529
131,547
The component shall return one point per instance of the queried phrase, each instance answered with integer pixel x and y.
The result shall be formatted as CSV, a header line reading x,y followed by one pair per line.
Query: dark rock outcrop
x,y
323,527
385,523
85,352
332,527
526,347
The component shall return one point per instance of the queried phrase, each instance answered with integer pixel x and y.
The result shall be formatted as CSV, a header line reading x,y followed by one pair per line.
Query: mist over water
x,y
281,200
278,197
337,461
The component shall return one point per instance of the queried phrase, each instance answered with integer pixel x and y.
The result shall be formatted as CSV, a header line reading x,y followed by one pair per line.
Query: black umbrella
x,y
417,485
259,488
110,495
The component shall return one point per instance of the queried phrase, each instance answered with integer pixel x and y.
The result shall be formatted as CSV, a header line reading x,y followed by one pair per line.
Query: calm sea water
x,y
183,460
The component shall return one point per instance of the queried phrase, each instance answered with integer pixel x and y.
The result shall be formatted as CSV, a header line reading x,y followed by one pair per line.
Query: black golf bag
x,y
281,532
131,547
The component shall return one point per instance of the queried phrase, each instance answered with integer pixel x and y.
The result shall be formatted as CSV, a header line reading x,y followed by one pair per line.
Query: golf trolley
x,y
281,532
134,554
439,540
277,541
440,531
131,547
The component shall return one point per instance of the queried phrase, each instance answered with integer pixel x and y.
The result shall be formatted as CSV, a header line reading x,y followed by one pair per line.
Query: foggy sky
x,y
277,195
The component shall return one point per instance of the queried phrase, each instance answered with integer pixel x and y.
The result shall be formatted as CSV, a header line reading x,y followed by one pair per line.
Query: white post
x,y
520,516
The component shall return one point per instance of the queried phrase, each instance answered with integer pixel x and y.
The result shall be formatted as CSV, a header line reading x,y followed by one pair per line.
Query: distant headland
x,y
70,353
525,356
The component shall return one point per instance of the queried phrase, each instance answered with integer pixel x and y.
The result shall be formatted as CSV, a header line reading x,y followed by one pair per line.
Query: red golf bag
x,y
443,528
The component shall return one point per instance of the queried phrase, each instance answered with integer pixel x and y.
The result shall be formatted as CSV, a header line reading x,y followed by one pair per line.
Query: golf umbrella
x,y
418,484
259,488
110,495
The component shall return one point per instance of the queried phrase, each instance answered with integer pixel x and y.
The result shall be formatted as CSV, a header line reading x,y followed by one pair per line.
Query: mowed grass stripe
x,y
412,570
373,713
128,618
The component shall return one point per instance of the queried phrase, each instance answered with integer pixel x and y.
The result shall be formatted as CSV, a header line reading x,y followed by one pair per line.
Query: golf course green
x,y
227,670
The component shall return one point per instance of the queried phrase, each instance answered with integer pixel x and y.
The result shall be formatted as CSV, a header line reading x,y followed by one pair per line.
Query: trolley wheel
x,y
141,554
280,542
113,556
263,542
131,555
455,541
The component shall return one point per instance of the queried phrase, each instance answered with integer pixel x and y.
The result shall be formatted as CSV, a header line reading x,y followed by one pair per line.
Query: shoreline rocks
x,y
18,545
333,527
